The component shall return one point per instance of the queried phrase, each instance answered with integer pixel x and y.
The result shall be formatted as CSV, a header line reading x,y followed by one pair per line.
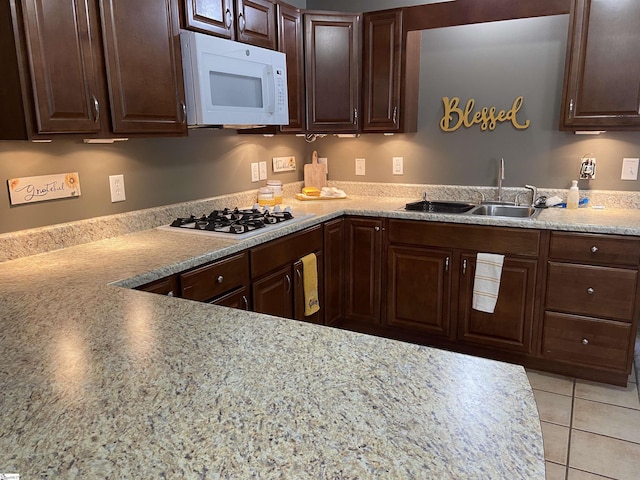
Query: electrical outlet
x,y
255,172
629,169
398,168
263,170
360,166
116,185
325,162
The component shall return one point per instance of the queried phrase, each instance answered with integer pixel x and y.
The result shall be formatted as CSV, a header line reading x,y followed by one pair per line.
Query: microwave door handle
x,y
271,90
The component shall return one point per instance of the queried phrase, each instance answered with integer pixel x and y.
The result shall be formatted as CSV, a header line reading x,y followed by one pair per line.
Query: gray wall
x,y
491,63
156,172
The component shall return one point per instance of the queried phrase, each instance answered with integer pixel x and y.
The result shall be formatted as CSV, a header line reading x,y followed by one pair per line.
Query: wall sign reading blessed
x,y
44,187
455,117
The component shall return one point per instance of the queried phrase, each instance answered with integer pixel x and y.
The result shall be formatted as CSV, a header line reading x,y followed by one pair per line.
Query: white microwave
x,y
232,84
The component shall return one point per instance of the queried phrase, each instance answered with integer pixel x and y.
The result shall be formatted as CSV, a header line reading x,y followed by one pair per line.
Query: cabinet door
x,y
256,23
602,78
298,292
238,299
334,268
364,269
65,61
209,16
419,289
144,67
332,69
273,294
290,43
381,71
510,326
165,286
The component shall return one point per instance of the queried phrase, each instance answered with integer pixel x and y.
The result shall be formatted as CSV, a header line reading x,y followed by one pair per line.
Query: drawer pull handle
x,y
585,341
590,291
220,279
594,249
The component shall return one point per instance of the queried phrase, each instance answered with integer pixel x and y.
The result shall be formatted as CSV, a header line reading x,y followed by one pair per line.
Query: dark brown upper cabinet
x,y
290,42
63,78
144,66
247,21
602,76
51,59
332,71
390,74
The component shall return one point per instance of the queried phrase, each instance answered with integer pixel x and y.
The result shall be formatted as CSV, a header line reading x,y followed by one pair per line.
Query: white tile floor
x,y
591,431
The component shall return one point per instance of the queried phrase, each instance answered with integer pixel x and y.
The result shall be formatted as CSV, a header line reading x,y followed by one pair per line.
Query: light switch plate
x,y
629,169
263,170
360,163
255,172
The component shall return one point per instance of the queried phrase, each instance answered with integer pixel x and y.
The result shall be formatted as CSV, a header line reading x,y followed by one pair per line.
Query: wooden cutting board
x,y
315,174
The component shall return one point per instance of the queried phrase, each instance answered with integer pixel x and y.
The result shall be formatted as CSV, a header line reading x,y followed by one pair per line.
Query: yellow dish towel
x,y
310,284
486,283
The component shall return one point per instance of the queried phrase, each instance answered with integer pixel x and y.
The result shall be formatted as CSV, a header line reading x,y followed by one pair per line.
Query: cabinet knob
x,y
571,108
169,294
220,279
377,229
590,291
241,23
96,109
228,19
585,341
594,249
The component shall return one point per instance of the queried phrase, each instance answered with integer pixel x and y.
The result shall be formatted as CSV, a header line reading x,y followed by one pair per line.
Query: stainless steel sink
x,y
439,207
511,211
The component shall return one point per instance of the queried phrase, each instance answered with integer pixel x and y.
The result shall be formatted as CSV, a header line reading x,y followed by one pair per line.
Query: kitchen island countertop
x,y
103,381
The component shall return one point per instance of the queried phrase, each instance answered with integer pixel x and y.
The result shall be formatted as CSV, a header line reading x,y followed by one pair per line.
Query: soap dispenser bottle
x,y
574,195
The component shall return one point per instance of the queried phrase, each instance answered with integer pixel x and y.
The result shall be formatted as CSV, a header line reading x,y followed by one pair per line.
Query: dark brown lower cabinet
x,y
418,296
277,275
363,269
273,293
334,278
168,286
510,326
238,298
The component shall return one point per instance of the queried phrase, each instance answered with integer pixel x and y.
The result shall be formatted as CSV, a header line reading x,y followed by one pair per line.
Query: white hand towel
x,y
486,282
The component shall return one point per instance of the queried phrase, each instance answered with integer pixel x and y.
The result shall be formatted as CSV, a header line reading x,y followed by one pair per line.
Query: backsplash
x,y
24,243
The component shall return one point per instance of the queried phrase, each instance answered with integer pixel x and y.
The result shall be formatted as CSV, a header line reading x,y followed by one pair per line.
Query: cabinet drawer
x,y
513,241
594,291
594,248
212,280
273,255
601,343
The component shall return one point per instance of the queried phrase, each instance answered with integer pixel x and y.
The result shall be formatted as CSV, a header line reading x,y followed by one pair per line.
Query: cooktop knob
x,y
277,209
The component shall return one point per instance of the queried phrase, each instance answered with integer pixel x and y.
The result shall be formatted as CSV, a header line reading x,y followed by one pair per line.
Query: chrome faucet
x,y
534,193
500,178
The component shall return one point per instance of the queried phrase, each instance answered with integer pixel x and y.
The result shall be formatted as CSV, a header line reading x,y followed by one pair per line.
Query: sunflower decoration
x,y
13,183
72,181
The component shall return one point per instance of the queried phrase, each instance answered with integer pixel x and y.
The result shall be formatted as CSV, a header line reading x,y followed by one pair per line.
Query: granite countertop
x,y
104,381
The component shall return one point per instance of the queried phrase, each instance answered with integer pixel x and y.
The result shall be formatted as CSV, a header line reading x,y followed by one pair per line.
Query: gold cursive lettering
x,y
454,117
